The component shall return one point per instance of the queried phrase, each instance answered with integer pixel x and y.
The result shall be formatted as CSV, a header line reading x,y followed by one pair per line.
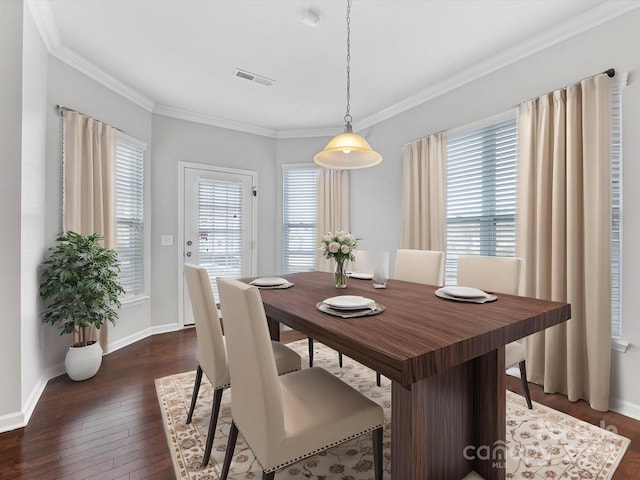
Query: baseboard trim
x,y
126,341
147,332
625,408
13,421
20,419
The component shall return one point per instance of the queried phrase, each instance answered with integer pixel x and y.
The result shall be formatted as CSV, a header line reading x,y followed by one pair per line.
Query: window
x,y
299,218
616,204
220,228
481,193
130,213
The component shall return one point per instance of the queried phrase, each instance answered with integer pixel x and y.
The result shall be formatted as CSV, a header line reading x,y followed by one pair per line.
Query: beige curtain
x,y
89,182
424,194
564,230
332,211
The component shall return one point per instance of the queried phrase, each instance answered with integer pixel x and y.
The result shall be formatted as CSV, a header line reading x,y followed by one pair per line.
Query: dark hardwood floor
x,y
109,427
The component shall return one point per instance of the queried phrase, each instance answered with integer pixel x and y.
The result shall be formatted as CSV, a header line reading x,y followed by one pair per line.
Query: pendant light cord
x,y
347,117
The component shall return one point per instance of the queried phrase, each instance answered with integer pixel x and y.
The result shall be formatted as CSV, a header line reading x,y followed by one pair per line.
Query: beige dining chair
x,y
498,275
211,351
420,266
288,418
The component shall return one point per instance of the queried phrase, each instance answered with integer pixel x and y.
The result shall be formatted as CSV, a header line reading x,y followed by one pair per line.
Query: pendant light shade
x,y
348,151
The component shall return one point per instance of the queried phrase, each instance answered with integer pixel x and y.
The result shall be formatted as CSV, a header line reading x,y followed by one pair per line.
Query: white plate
x,y
269,282
349,302
360,275
488,298
463,292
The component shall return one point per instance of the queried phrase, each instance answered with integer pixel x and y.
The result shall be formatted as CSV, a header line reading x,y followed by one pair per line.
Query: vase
x,y
83,362
340,273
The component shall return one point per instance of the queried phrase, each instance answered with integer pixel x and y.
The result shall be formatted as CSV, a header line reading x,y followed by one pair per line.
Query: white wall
x,y
72,89
181,141
34,104
10,248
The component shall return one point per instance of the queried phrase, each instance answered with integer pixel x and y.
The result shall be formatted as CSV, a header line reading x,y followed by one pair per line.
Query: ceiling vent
x,y
252,77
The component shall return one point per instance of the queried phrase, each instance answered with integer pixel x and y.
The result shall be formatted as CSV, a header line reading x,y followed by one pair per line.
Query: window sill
x,y
619,345
133,301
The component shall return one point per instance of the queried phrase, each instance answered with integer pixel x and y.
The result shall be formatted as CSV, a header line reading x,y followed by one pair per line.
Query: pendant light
x,y
348,151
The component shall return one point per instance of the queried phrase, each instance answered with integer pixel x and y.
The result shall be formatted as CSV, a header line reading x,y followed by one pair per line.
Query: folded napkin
x,y
270,287
488,297
363,312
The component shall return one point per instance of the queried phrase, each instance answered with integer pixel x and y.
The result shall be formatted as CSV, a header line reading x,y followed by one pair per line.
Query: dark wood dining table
x,y
445,360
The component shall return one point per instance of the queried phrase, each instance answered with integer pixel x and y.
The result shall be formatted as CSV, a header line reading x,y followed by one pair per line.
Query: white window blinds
x,y
616,204
220,240
481,193
299,218
130,213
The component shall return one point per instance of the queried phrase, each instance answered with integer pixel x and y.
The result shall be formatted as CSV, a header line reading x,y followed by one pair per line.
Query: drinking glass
x,y
380,263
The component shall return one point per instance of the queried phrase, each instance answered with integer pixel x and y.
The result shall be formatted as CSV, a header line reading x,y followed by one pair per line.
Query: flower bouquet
x,y
340,247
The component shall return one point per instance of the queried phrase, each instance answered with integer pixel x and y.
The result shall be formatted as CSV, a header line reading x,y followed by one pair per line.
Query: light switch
x,y
166,240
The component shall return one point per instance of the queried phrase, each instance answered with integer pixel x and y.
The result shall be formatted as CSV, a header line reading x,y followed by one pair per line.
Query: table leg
x,y
442,425
274,329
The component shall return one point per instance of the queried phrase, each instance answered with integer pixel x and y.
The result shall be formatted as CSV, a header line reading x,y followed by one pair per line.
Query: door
x,y
218,231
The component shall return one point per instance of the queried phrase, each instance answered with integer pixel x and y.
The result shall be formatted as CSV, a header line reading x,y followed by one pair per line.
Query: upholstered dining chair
x,y
288,418
211,350
420,266
498,275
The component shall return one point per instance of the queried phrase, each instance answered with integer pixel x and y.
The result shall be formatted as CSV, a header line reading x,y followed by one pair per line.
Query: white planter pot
x,y
83,362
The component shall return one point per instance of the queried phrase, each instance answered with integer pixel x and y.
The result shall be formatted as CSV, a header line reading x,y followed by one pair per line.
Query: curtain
x,y
564,235
333,209
89,160
424,196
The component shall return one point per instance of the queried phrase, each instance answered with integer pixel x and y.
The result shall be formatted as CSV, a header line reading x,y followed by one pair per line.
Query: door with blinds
x,y
218,225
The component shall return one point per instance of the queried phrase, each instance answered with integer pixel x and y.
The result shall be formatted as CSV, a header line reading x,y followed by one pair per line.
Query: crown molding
x,y
592,18
45,23
602,13
214,121
309,132
74,60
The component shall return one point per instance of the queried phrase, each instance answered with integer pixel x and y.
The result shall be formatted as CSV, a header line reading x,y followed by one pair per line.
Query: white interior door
x,y
218,225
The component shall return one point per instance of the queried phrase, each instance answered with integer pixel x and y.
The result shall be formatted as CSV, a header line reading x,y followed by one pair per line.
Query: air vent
x,y
252,77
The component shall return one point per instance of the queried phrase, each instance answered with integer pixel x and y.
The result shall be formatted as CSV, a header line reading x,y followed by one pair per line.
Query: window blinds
x,y
299,218
130,214
481,193
616,204
220,241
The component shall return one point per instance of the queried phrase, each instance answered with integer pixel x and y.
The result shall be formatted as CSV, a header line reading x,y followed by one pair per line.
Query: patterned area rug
x,y
541,444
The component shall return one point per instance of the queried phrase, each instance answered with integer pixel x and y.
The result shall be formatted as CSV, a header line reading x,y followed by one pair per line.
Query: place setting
x,y
267,283
459,293
350,306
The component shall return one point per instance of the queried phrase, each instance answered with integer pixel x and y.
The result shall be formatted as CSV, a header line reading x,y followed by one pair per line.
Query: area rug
x,y
541,444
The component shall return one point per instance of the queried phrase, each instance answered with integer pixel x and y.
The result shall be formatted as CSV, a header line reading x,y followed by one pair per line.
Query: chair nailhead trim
x,y
306,455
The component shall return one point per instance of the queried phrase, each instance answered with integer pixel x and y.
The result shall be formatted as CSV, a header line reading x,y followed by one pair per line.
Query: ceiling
x,y
178,57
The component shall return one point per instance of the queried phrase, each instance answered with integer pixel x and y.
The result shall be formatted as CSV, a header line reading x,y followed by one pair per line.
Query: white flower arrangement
x,y
339,245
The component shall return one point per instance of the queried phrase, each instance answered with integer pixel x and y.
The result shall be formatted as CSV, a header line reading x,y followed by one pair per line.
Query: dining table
x,y
445,360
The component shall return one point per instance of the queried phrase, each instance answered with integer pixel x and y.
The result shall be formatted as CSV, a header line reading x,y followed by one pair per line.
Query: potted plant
x,y
81,288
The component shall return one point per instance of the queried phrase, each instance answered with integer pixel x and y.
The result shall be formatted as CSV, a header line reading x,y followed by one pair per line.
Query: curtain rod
x,y
60,109
611,72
